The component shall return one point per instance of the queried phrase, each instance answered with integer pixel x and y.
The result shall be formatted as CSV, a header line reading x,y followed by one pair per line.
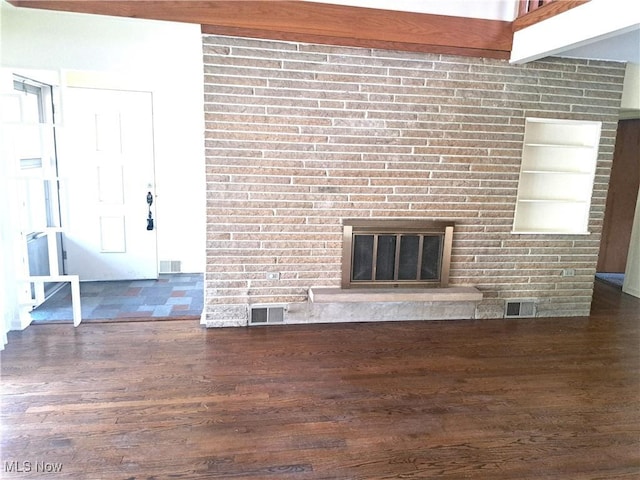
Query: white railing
x,y
32,299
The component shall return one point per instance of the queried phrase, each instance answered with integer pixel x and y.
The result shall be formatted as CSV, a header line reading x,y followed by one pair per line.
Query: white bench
x,y
39,281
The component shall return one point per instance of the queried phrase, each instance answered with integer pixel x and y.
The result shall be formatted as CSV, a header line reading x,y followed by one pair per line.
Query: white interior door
x,y
106,166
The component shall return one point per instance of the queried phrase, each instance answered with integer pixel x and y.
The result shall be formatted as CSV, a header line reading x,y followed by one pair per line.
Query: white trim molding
x,y
583,25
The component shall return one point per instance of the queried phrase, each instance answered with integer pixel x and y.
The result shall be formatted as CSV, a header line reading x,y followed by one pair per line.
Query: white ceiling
x,y
624,47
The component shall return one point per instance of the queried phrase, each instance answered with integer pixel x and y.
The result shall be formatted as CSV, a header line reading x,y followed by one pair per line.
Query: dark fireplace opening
x,y
396,253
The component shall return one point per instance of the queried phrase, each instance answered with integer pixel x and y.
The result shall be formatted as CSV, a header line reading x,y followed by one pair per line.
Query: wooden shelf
x,y
557,145
552,200
555,172
547,232
556,176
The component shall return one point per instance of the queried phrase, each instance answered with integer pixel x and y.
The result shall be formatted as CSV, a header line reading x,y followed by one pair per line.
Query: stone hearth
x,y
329,305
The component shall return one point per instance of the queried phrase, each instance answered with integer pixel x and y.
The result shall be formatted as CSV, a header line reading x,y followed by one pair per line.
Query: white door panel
x,y
107,169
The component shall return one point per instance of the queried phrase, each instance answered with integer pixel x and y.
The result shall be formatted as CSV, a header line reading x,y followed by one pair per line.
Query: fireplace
x,y
396,253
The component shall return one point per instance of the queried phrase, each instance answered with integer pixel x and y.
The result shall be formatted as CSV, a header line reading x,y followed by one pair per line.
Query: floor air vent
x,y
520,309
170,266
266,314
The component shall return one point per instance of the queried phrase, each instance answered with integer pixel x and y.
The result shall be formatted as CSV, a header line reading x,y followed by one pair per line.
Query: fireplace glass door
x,y
396,255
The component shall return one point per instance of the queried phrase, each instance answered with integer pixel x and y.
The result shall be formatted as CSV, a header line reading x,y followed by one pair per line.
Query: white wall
x,y
9,235
632,272
630,103
162,57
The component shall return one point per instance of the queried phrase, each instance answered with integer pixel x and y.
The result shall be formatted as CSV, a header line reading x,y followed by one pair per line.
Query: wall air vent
x,y
266,314
170,266
520,309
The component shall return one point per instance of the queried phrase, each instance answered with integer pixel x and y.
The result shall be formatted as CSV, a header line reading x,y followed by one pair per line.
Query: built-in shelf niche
x,y
556,176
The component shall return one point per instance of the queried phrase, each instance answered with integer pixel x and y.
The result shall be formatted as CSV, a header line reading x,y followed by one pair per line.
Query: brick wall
x,y
300,136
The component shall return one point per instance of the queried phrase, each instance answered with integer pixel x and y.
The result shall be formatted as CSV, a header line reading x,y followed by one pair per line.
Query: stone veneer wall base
x,y
333,305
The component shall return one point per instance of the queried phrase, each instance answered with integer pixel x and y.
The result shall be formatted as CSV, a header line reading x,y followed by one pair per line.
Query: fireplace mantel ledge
x,y
446,294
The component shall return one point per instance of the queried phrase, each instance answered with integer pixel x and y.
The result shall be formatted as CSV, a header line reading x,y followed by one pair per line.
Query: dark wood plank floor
x,y
490,399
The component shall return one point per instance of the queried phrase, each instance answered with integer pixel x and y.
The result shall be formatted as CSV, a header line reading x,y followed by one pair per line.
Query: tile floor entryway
x,y
171,296
615,279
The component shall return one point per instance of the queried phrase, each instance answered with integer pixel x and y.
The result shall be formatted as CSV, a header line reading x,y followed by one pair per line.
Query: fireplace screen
x,y
396,253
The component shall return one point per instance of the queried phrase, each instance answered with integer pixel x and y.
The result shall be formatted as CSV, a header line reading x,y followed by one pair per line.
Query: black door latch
x,y
150,217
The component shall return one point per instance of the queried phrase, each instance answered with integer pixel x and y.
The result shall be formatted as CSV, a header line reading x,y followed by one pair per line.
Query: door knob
x,y
150,217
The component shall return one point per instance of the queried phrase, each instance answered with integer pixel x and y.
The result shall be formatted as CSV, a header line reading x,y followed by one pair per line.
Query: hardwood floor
x,y
553,398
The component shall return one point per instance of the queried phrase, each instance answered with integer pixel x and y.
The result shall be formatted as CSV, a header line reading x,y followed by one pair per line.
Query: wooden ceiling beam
x,y
296,20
